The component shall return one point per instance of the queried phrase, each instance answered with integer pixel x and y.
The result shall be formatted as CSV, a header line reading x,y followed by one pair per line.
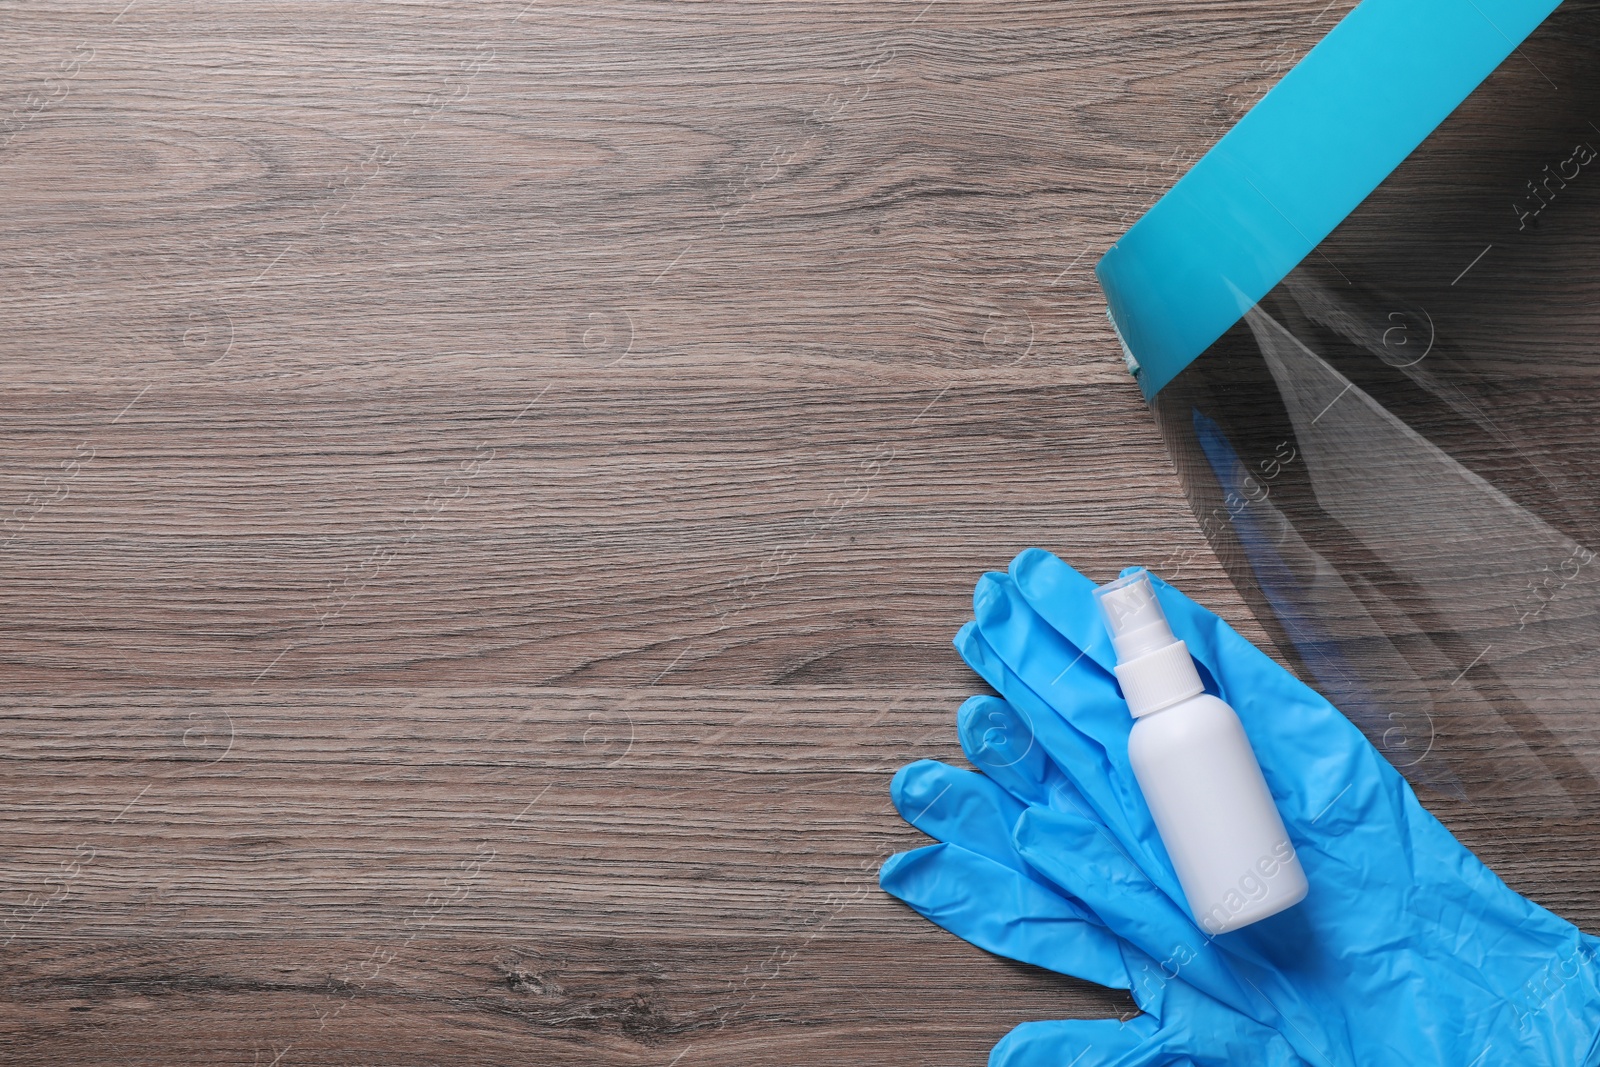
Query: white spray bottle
x,y
1198,773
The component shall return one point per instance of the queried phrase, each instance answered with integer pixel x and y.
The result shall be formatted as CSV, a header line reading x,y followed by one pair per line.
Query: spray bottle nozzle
x,y
1133,616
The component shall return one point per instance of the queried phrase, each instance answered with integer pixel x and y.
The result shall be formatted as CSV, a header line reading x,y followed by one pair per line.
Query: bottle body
x,y
1216,816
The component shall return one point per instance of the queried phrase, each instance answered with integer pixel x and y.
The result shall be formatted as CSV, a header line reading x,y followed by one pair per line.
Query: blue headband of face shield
x,y
1294,167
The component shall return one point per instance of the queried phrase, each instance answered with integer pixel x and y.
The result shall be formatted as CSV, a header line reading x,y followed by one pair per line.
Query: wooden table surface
x,y
490,488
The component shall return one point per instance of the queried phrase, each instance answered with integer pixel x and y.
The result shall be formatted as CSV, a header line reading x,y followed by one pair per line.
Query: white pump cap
x,y
1153,667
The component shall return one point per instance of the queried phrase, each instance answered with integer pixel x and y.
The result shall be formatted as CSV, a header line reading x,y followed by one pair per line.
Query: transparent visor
x,y
1396,453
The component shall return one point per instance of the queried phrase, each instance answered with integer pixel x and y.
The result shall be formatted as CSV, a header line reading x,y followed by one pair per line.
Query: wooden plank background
x,y
490,487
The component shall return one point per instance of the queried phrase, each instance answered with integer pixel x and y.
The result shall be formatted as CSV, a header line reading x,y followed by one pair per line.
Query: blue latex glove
x,y
1407,948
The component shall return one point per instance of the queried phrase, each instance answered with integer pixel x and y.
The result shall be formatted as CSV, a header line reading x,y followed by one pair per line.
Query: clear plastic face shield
x,y
1395,451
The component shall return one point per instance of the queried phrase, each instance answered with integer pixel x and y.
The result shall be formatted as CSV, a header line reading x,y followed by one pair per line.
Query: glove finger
x,y
1081,1043
991,897
1216,1038
1081,756
1065,599
1000,742
1088,864
967,810
1113,797
1055,669
939,884
991,732
1002,911
959,807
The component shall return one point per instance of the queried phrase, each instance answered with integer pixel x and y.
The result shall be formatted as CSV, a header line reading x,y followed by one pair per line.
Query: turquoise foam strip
x,y
1294,166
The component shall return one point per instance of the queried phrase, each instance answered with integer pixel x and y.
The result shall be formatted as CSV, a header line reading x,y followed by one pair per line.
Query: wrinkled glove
x,y
977,885
1406,950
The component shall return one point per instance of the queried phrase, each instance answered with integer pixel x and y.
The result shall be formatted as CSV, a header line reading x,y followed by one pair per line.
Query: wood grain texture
x,y
489,489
